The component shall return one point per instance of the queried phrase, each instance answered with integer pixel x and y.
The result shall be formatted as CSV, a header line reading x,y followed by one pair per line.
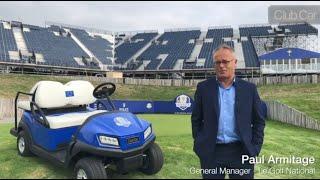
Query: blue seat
x,y
129,48
57,50
100,47
177,47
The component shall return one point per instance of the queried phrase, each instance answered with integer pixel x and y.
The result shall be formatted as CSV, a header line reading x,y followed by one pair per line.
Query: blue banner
x,y
182,104
134,106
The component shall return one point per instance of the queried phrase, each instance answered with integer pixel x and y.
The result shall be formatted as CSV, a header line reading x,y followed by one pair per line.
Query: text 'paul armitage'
x,y
305,161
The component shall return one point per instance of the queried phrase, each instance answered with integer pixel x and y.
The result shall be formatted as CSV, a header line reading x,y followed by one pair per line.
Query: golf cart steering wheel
x,y
104,90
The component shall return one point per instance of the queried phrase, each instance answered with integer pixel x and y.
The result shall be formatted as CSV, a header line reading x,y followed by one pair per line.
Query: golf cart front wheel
x,y
23,144
154,160
90,168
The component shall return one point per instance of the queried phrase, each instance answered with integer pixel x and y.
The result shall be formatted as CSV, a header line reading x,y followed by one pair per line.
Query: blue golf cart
x,y
59,125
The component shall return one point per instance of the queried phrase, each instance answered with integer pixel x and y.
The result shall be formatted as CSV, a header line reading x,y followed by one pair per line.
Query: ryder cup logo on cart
x,y
183,102
121,121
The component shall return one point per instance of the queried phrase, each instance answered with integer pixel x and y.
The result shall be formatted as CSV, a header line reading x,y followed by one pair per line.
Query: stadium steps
x,y
79,61
135,56
162,60
18,36
197,48
124,40
163,57
195,53
239,54
119,44
83,47
203,35
178,65
143,65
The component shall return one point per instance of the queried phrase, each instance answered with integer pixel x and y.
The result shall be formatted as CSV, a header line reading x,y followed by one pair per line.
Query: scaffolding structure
x,y
280,38
266,44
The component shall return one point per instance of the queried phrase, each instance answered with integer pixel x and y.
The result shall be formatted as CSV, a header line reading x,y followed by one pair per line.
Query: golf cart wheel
x,y
90,168
154,160
23,144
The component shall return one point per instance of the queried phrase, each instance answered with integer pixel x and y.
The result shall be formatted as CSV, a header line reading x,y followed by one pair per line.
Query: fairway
x,y
174,136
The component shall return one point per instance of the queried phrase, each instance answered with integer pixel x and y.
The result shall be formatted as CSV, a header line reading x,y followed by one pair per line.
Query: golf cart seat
x,y
63,105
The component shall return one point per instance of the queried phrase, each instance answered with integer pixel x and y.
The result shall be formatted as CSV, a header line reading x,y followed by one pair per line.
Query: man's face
x,y
225,63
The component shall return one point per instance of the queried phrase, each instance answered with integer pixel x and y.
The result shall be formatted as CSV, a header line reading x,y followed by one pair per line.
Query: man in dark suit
x,y
227,121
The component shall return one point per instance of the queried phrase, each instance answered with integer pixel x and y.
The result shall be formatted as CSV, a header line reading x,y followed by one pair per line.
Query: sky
x,y
140,15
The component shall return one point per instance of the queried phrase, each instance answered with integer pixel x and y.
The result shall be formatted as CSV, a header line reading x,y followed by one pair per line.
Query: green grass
x,y
303,97
11,83
174,137
174,131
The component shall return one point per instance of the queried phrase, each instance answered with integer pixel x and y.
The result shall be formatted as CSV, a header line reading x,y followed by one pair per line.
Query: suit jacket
x,y
249,115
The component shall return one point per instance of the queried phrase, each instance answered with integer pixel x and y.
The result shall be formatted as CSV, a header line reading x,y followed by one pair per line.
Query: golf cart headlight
x,y
109,140
147,132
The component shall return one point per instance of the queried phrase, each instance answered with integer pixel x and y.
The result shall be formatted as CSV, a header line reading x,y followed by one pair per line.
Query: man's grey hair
x,y
222,46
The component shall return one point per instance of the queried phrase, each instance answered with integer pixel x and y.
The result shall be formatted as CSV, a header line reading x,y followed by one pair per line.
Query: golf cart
x,y
57,124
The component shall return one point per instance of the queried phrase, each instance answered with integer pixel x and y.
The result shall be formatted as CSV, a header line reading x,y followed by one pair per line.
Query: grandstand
x,y
149,52
170,47
130,47
7,42
43,41
214,38
99,47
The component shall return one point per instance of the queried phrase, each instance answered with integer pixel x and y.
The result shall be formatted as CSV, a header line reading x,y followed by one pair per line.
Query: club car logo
x,y
120,121
183,102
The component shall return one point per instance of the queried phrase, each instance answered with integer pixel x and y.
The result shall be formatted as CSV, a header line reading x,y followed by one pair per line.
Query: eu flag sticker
x,y
69,93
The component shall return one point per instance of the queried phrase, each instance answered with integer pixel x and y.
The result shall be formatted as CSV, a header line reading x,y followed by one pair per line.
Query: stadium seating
x,y
256,31
153,64
191,65
219,32
99,46
56,29
299,29
209,47
132,65
56,50
249,53
7,43
175,44
128,49
248,48
59,48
